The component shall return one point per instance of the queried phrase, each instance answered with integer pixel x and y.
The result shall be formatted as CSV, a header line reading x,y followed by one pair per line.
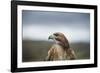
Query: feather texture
x,y
60,50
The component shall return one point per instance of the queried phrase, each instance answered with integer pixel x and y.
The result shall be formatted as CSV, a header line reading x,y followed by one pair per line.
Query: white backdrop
x,y
5,32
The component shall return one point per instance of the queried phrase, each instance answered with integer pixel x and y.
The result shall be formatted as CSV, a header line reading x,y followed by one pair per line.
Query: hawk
x,y
61,49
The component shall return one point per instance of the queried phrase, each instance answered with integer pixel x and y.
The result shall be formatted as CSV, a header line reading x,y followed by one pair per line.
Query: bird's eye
x,y
56,34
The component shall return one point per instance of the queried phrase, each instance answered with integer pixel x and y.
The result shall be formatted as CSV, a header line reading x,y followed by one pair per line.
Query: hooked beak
x,y
51,37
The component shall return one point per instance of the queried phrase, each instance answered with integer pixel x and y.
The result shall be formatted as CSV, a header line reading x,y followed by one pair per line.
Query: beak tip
x,y
50,37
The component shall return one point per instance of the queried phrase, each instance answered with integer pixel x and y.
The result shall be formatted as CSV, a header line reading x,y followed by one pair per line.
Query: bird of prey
x,y
61,49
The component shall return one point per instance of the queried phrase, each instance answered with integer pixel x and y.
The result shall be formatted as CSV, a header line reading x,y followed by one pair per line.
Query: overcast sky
x,y
38,25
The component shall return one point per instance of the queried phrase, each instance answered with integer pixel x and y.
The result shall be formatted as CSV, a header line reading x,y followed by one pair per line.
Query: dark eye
x,y
56,34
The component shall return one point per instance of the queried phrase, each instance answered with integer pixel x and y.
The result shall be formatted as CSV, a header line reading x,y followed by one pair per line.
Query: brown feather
x,y
62,39
61,50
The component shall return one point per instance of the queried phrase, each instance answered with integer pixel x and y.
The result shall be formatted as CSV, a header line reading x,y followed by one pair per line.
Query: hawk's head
x,y
59,38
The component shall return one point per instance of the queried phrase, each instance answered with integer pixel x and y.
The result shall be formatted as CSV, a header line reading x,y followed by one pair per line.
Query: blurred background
x,y
38,25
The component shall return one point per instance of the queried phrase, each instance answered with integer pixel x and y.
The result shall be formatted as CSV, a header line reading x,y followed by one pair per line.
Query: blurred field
x,y
37,50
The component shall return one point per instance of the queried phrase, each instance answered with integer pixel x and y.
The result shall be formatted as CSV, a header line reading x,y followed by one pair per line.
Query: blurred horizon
x,y
38,50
